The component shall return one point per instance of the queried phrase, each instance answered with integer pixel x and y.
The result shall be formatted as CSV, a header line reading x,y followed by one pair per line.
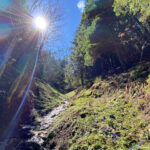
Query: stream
x,y
41,131
38,132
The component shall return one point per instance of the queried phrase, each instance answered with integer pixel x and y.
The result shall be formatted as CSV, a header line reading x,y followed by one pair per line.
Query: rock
x,y
25,133
40,132
83,115
112,116
104,118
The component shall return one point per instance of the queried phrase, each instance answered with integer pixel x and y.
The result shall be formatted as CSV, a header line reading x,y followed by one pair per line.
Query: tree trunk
x,y
82,79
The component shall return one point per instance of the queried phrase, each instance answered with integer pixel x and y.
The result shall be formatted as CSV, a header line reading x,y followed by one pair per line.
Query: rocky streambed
x,y
40,132
32,136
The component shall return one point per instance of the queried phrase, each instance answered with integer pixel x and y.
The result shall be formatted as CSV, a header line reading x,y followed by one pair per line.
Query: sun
x,y
40,23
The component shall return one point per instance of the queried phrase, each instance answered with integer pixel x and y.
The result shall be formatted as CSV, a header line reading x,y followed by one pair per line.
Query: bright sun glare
x,y
40,23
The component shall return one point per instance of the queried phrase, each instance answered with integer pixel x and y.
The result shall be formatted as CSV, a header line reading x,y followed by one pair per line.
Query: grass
x,y
45,97
70,94
113,114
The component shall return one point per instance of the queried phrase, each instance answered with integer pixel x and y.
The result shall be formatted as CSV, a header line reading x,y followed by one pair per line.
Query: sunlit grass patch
x,y
46,97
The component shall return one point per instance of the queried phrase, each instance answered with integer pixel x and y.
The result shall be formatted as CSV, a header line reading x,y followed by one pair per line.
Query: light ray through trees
x,y
16,117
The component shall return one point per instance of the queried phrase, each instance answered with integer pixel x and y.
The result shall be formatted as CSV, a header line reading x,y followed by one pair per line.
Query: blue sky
x,y
72,11
72,15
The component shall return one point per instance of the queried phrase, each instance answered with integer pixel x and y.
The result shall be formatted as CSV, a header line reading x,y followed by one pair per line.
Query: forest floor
x,y
47,104
113,114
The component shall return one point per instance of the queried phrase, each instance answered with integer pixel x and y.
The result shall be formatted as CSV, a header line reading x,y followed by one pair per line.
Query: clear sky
x,y
71,19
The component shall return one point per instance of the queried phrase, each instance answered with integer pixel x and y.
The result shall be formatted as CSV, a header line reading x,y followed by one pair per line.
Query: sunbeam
x,y
14,121
12,24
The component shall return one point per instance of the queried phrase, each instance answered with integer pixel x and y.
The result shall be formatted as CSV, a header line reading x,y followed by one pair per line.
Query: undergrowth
x,y
45,97
114,114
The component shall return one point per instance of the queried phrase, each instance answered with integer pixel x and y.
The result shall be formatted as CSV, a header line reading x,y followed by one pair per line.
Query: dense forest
x,y
96,98
112,36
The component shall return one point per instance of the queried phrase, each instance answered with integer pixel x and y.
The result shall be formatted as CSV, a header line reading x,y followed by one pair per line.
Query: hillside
x,y
75,79
44,97
111,114
42,100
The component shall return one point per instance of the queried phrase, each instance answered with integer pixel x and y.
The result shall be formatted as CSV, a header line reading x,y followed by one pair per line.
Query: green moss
x,y
88,93
107,116
46,97
104,123
70,94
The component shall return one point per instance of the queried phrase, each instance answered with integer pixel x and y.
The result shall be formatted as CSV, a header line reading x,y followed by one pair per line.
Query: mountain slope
x,y
42,100
112,114
45,97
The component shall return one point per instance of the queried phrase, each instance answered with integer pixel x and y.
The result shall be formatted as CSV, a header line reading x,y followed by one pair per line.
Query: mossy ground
x,y
45,97
70,94
113,114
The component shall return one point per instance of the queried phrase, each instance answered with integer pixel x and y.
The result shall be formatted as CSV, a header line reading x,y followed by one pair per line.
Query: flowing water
x,y
40,131
33,135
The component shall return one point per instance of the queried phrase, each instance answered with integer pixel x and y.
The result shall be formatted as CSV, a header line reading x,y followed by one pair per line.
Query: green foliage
x,y
71,94
51,70
45,97
72,74
109,30
114,120
84,48
132,7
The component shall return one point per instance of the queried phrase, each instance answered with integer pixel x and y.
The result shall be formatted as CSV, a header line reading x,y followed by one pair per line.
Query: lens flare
x,y
40,23
5,54
15,119
5,30
4,4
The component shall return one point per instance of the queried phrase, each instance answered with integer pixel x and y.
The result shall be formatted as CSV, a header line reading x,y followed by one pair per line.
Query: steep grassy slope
x,y
113,114
45,97
42,99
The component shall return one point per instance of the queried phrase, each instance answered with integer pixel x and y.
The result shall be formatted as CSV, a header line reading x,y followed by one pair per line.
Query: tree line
x,y
112,36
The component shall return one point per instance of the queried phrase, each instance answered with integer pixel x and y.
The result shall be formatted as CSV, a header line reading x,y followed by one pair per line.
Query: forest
x,y
112,37
95,95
